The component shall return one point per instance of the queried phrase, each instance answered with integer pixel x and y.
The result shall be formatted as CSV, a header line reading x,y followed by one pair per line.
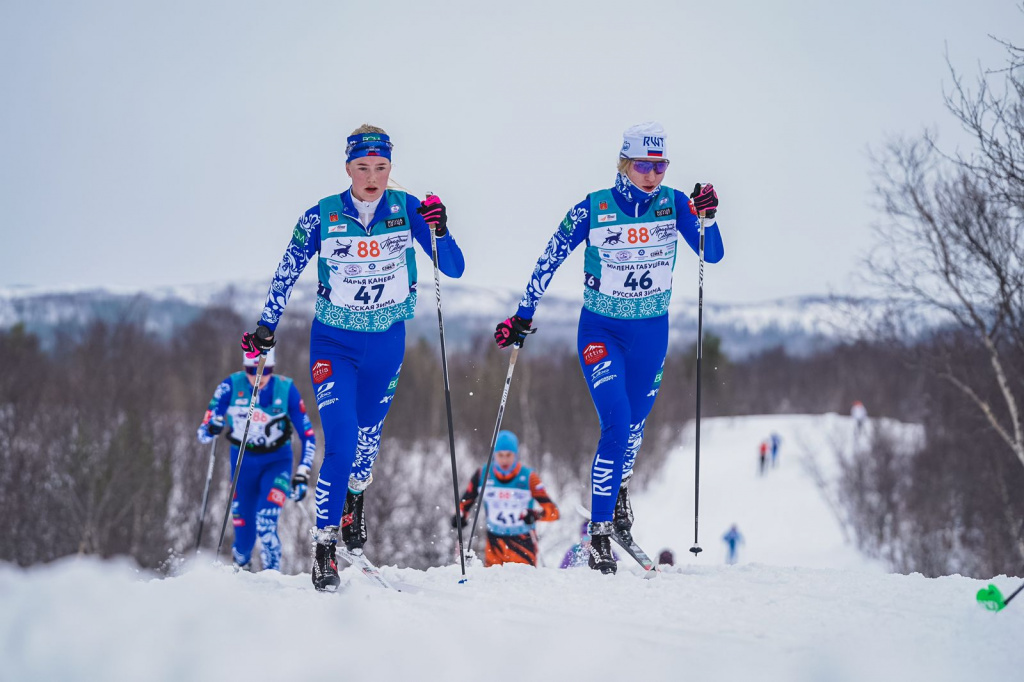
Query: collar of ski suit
x,y
348,202
631,199
506,477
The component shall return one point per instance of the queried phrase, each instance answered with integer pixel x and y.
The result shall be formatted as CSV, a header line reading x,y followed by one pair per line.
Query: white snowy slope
x,y
784,517
800,605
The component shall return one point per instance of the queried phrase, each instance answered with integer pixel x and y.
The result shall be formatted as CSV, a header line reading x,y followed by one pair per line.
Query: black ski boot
x,y
623,514
601,557
353,523
325,567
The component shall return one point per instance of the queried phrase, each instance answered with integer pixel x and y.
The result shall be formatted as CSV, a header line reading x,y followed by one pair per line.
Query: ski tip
x,y
650,574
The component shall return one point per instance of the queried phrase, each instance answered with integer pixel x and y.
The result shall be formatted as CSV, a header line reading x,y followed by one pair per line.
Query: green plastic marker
x,y
991,598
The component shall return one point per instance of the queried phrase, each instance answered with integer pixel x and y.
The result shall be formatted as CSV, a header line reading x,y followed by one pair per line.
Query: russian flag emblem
x,y
654,152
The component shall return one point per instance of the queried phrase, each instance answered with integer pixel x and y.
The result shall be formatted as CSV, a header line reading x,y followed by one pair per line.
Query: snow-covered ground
x,y
800,605
784,518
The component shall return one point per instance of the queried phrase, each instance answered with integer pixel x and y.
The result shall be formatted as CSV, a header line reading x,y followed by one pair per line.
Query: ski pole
x,y
241,447
992,599
494,439
1015,593
700,343
206,493
447,391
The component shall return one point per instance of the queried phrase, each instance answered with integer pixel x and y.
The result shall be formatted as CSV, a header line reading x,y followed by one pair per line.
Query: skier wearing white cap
x,y
266,479
631,231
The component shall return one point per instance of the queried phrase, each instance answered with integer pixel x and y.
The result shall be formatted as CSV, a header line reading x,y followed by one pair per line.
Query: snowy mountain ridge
x,y
800,324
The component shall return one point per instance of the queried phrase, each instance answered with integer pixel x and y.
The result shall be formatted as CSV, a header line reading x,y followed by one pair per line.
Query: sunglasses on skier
x,y
645,167
251,371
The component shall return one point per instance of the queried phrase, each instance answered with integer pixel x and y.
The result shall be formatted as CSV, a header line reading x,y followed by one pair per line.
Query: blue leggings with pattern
x,y
622,361
263,486
355,375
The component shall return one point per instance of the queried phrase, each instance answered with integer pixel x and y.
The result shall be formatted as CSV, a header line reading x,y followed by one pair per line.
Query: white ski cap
x,y
252,362
644,141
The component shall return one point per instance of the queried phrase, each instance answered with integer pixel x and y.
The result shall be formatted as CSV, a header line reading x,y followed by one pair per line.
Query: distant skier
x,y
763,456
364,238
776,441
859,413
508,505
631,231
732,539
266,479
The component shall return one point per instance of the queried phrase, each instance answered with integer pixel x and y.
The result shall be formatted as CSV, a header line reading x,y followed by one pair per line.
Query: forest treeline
x,y
99,456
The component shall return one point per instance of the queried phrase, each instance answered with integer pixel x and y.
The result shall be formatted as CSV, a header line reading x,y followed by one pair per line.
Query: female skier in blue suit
x,y
364,238
631,231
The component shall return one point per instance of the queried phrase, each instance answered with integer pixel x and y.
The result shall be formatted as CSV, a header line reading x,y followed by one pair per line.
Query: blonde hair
x,y
624,164
367,128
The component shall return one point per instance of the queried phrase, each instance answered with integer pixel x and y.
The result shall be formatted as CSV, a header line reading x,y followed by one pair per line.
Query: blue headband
x,y
368,144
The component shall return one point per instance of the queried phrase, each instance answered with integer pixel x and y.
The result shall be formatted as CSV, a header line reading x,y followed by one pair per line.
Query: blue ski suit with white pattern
x,y
264,483
366,290
622,338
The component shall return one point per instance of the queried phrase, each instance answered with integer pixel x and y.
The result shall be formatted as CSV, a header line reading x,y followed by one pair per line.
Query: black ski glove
x,y
257,342
529,517
436,215
705,199
300,483
459,521
215,425
512,331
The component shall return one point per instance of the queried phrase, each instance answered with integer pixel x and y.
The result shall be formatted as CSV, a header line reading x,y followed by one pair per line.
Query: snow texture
x,y
800,605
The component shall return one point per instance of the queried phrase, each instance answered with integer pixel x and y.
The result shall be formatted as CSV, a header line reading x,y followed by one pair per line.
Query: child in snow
x,y
508,505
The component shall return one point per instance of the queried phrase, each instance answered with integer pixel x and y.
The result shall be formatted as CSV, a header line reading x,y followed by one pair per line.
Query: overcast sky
x,y
146,144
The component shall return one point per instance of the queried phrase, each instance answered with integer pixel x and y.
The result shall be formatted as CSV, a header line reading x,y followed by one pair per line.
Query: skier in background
x,y
508,505
762,456
631,231
364,238
732,539
579,554
265,480
776,440
860,417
